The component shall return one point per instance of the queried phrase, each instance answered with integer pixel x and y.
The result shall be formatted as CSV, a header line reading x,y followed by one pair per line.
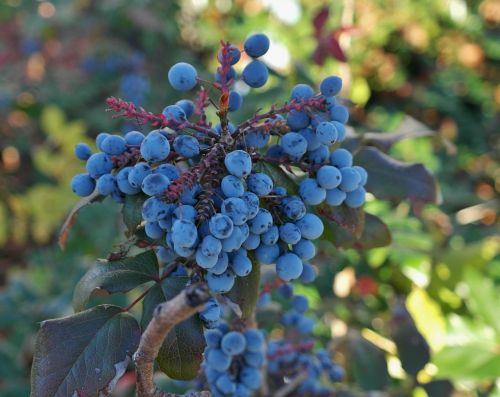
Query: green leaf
x,y
394,180
475,362
181,353
116,276
368,364
245,292
83,354
279,176
484,299
132,211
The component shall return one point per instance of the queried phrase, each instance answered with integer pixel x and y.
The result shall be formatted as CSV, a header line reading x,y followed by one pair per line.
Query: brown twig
x,y
165,316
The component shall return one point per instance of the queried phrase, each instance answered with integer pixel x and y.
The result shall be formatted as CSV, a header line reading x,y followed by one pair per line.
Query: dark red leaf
x,y
319,55
334,48
320,19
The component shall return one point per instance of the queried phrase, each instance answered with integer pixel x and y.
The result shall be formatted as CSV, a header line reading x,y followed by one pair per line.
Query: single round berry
x,y
83,185
83,151
331,86
255,74
341,158
355,198
289,267
238,163
329,177
182,76
256,45
155,147
302,91
113,145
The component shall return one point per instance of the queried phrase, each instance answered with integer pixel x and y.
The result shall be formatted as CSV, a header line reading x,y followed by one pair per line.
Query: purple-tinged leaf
x,y
116,276
391,179
83,354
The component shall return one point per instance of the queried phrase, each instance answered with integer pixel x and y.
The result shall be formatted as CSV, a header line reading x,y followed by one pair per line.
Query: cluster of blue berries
x,y
209,207
233,360
292,355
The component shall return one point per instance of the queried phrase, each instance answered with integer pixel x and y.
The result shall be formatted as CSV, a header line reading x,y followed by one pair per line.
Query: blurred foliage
x,y
434,290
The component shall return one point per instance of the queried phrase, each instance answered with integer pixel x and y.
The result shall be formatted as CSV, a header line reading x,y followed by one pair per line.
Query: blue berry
x,y
218,360
206,262
250,377
267,254
294,208
339,113
235,101
290,233
154,184
138,173
155,147
100,139
232,186
350,179
83,151
233,343
174,113
185,211
184,233
260,184
252,241
169,170
123,183
221,226
362,173
335,197
234,55
289,267
225,385
302,91
255,340
331,86
241,265
134,138
294,144
256,139
311,226
255,74
297,119
187,106
187,146
326,133
236,209
252,202
312,139
213,337
308,274
271,236
182,76
221,264
256,45
211,246
222,283
329,177
99,164
238,163
318,156
300,303
83,185
113,145
106,184
153,230
311,192
341,158
355,198
262,222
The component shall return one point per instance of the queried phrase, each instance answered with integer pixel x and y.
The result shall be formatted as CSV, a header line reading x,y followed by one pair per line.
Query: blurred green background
x,y
436,61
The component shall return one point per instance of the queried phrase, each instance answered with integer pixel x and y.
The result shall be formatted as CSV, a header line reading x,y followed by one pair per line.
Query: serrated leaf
x,y
245,292
279,176
116,276
71,219
484,300
83,353
391,179
132,211
181,353
368,364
